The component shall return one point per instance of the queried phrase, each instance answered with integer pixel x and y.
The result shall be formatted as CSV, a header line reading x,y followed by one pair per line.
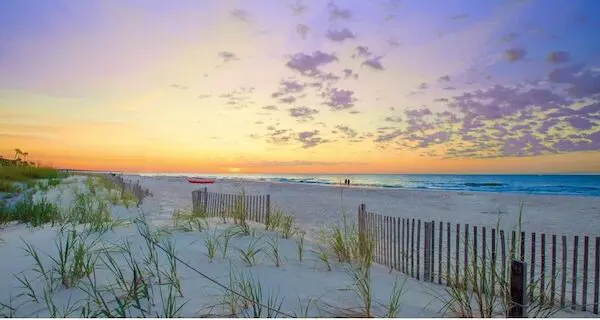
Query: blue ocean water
x,y
580,185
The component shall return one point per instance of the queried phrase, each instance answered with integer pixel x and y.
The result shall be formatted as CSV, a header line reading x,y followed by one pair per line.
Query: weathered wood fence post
x,y
268,211
518,290
205,200
426,253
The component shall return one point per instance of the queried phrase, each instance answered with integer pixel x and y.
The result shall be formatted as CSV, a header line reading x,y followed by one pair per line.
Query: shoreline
x,y
315,206
365,187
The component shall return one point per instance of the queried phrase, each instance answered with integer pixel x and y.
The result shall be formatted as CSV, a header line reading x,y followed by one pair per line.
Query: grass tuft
x,y
211,242
190,221
30,212
273,251
249,255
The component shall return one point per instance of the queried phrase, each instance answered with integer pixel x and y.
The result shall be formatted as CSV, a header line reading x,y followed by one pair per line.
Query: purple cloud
x,y
303,113
374,63
310,139
500,101
388,136
580,123
288,100
291,86
349,132
515,54
546,125
347,73
417,113
336,13
581,82
227,56
339,35
339,99
302,30
392,119
362,51
308,64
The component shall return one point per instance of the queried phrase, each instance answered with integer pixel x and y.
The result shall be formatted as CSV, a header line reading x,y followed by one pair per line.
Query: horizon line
x,y
335,174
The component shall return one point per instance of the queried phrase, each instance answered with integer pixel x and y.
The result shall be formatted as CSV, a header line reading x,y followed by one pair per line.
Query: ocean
x,y
579,185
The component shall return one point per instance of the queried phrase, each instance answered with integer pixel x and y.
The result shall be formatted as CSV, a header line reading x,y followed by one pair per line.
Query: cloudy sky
x,y
407,86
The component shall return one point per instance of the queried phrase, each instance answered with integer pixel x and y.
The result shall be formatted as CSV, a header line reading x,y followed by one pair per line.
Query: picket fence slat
x,y
574,278
586,244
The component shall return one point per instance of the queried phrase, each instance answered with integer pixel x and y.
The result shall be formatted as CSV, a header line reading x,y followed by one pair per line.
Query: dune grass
x,y
483,290
25,173
89,207
188,221
30,212
9,187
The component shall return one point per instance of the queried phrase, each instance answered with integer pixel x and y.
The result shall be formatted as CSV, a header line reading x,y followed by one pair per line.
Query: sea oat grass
x,y
249,255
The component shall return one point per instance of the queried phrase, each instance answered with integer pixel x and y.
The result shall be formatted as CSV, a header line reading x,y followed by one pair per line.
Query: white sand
x,y
314,205
294,280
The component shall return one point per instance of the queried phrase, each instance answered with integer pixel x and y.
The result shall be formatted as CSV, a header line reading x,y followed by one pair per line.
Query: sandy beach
x,y
315,205
304,288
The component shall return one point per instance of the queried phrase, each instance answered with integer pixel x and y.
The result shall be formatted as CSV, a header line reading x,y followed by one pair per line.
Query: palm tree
x,y
25,154
18,152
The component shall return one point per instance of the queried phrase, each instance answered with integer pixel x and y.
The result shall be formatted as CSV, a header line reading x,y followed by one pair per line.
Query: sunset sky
x,y
412,86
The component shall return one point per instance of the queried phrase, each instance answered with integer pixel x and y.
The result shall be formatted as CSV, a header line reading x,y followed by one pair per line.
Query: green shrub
x,y
27,173
9,187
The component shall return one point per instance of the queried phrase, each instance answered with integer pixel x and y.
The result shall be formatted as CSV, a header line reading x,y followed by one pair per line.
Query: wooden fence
x,y
135,188
564,270
255,208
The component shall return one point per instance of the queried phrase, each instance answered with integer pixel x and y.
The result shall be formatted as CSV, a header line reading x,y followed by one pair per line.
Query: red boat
x,y
201,180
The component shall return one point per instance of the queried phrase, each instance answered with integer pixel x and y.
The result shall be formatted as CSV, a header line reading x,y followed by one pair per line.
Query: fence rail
x,y
563,270
135,188
255,208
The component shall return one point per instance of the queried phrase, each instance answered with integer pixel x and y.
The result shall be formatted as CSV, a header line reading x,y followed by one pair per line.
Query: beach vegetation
x,y
189,221
281,222
93,212
211,242
483,290
323,256
287,226
34,213
171,274
75,260
227,235
257,305
393,305
273,251
361,286
27,173
304,308
275,218
230,300
9,187
250,253
240,209
347,244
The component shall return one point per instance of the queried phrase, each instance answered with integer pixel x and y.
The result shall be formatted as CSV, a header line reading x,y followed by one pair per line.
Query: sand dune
x,y
294,282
